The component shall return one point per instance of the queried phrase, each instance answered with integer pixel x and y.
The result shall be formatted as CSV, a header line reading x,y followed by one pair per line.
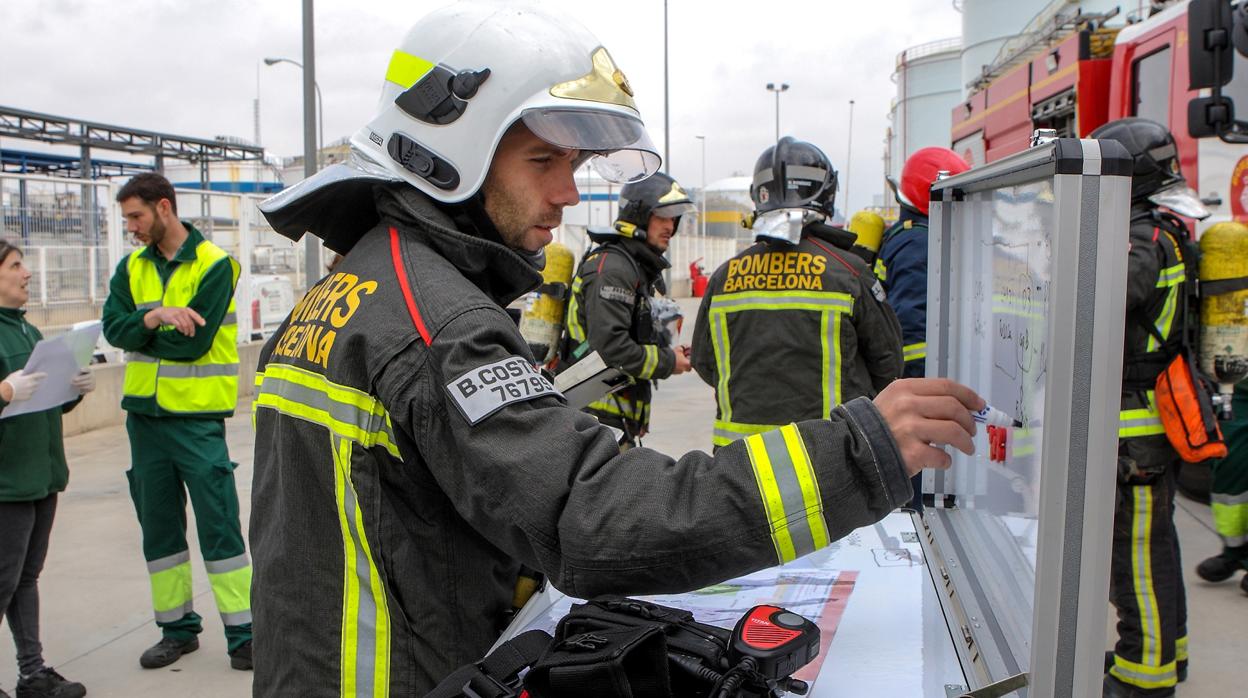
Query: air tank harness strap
x,y
1217,287
557,290
495,676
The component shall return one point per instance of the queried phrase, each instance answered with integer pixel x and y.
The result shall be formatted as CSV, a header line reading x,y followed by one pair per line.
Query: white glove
x,y
23,384
84,382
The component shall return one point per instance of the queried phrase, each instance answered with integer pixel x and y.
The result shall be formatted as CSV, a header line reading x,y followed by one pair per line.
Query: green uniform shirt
x,y
123,323
32,454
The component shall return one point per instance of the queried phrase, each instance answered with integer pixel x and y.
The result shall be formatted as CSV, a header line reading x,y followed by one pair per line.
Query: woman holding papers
x,y
32,472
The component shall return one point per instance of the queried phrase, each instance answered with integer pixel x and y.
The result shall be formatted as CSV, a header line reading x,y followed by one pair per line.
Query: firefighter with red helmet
x,y
902,263
1146,579
799,298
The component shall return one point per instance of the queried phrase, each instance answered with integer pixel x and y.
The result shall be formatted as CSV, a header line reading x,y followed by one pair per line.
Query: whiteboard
x,y
1026,296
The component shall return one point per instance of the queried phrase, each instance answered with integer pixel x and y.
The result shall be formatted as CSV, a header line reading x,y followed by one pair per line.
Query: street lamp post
x,y
849,149
702,218
320,106
772,87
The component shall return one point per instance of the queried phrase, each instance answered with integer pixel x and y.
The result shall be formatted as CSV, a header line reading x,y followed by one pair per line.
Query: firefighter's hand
x,y
682,360
184,320
926,414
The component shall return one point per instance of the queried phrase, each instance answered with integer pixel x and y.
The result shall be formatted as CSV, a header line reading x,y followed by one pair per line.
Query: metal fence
x,y
73,238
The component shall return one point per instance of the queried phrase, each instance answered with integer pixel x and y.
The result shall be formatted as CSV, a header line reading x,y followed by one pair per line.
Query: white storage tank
x,y
927,78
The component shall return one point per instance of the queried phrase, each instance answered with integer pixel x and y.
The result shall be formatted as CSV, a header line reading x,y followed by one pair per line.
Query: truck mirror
x,y
1206,114
1240,32
1209,53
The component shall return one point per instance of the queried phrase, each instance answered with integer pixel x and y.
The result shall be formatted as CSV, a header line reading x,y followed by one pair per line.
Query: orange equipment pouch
x,y
1187,412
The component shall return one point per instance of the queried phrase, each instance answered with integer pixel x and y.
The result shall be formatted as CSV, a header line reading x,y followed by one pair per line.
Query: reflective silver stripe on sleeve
x,y
784,470
148,305
140,357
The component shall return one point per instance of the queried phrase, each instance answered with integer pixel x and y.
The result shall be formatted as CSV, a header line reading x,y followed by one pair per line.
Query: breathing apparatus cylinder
x,y
541,322
1224,307
869,227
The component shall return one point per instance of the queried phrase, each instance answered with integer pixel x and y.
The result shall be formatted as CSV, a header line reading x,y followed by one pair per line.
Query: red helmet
x,y
920,171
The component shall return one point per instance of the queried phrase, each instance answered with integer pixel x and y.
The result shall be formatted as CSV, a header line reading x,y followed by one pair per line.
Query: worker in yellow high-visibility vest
x,y
171,306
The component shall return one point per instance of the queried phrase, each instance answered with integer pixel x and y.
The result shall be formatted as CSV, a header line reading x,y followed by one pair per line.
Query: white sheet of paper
x,y
61,358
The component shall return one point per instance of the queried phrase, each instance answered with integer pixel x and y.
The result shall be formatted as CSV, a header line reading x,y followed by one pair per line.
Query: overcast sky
x,y
193,68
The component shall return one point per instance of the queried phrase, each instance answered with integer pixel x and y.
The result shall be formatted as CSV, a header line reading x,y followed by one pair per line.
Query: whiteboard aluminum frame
x,y
1087,292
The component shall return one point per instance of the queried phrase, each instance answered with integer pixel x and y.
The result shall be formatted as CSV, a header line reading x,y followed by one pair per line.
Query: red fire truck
x,y
1075,72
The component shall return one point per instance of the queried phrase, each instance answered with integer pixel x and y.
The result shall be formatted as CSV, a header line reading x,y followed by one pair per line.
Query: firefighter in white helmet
x,y
409,458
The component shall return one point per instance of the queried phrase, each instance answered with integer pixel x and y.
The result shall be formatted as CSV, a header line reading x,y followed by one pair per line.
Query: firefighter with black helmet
x,y
409,457
795,324
611,304
1146,579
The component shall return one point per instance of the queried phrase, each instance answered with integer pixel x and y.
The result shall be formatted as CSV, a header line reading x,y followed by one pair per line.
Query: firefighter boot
x,y
241,658
166,652
46,683
1224,565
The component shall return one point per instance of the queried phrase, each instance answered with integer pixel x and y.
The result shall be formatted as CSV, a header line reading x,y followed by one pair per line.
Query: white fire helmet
x,y
460,78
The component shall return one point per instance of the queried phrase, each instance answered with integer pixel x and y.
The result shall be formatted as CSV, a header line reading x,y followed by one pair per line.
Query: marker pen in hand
x,y
994,417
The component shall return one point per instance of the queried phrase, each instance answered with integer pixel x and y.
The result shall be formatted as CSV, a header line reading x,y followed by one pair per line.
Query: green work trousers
x,y
170,458
1229,490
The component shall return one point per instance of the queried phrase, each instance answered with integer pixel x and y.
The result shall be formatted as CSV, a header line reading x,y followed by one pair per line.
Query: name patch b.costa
x,y
483,391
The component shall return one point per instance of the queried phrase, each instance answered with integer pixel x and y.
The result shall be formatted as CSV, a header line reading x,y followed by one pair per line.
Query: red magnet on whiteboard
x,y
996,443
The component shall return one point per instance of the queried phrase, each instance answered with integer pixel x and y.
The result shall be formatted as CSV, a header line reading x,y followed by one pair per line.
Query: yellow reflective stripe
x,y
1165,319
345,411
830,344
911,352
574,323
1230,518
1143,675
1142,421
727,432
1171,276
1142,576
812,500
622,407
881,270
817,301
232,591
365,617
789,491
405,69
651,361
723,367
171,591
1180,650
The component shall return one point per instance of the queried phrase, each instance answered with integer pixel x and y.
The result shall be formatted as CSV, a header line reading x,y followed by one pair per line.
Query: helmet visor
x,y
673,210
619,145
1181,199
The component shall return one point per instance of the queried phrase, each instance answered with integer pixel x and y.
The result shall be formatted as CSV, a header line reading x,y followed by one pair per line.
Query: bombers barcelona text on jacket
x,y
409,459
